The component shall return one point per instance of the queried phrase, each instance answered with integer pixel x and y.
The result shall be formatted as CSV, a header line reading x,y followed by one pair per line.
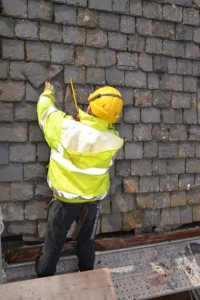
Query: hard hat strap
x,y
102,95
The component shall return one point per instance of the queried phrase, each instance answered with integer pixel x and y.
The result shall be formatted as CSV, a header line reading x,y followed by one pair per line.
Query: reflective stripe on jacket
x,y
81,152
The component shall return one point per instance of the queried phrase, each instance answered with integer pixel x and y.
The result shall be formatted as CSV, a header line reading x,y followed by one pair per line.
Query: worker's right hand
x,y
48,86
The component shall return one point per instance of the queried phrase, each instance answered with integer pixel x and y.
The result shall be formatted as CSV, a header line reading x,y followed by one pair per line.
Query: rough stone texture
x,y
150,51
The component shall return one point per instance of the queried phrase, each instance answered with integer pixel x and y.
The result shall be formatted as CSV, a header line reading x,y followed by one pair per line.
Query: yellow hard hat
x,y
106,103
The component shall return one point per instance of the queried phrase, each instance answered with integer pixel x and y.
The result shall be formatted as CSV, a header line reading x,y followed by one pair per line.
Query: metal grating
x,y
137,273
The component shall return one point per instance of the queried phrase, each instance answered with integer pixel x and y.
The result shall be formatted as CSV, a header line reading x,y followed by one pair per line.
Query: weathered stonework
x,y
150,51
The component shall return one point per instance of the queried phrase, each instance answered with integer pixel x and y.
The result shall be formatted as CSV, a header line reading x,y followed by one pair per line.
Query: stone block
x,y
144,201
168,116
177,132
122,203
88,18
38,51
22,153
144,27
114,76
152,10
136,43
176,166
184,67
35,210
190,84
13,212
190,116
159,167
40,10
25,112
6,27
109,21
136,7
192,51
51,32
131,185
180,100
171,82
178,199
5,192
186,149
34,171
62,54
142,132
43,152
191,16
13,132
16,8
96,38
85,56
77,73
4,69
21,191
193,197
184,32
4,153
74,35
6,112
122,168
161,99
106,57
186,181
164,29
117,41
127,24
150,149
103,5
161,200
12,49
141,167
160,132
149,184
95,75
111,223
120,6
150,115
154,46
151,218
168,150
143,97
42,190
145,62
194,134
170,216
11,172
192,165
12,91
133,150
168,183
186,215
132,115
174,49
133,220
136,79
127,61
26,29
172,13
21,228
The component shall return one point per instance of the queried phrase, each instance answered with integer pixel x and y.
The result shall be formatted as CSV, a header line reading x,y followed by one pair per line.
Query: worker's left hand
x,y
48,86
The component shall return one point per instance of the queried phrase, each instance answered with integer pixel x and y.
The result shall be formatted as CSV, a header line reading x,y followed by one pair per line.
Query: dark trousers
x,y
61,216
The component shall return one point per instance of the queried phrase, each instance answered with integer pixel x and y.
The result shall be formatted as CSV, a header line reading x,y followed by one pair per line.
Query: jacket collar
x,y
93,121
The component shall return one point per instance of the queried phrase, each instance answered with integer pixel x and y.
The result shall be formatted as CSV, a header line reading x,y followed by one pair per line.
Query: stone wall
x,y
150,51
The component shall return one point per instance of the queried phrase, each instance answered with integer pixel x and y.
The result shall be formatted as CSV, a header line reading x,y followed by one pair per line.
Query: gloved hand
x,y
48,86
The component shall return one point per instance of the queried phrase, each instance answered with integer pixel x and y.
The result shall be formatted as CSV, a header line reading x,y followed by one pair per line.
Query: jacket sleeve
x,y
50,118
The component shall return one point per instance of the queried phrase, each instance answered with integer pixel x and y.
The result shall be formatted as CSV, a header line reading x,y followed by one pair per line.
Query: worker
x,y
78,172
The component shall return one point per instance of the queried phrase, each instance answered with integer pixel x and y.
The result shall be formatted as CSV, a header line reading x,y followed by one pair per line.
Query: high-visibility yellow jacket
x,y
81,152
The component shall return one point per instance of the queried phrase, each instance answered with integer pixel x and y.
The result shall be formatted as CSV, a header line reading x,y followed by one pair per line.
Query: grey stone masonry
x,y
150,52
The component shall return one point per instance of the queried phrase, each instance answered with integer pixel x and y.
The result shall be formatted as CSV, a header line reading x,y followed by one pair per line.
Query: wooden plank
x,y
90,285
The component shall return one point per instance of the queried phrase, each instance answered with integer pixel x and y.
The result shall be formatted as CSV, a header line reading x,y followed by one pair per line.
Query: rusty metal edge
x,y
27,253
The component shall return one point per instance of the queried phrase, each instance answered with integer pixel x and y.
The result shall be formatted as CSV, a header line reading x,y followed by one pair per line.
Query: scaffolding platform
x,y
138,273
